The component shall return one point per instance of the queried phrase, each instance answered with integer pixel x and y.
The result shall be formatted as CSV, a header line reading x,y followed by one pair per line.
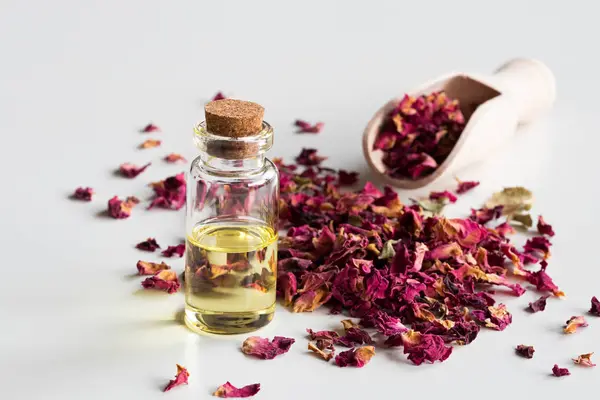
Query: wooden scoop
x,y
493,106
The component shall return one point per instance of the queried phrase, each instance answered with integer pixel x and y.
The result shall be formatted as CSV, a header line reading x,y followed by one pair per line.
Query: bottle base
x,y
227,323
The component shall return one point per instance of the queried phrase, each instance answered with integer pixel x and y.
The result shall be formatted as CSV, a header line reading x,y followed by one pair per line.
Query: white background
x,y
79,78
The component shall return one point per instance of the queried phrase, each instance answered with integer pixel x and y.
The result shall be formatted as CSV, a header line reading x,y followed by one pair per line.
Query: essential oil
x,y
230,275
231,238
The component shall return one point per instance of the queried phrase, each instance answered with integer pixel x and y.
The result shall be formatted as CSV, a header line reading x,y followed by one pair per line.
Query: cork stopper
x,y
234,118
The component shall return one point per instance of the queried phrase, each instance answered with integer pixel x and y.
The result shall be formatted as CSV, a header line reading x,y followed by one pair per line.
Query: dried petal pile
x,y
393,265
418,134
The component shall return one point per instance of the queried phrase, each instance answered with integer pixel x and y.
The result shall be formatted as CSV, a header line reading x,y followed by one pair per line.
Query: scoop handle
x,y
529,83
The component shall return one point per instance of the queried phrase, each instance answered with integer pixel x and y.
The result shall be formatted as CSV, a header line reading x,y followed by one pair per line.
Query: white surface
x,y
78,79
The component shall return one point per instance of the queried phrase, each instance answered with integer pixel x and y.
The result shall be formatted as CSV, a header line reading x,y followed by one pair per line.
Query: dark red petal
x,y
525,351
227,390
149,244
150,128
172,250
558,372
218,96
84,194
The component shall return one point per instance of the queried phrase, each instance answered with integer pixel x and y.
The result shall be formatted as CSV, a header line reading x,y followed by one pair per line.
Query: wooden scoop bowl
x,y
493,106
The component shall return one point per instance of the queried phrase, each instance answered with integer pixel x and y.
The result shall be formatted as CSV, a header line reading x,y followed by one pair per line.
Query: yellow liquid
x,y
230,276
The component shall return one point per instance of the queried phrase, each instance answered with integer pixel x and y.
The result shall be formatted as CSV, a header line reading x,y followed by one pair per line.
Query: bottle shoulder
x,y
267,173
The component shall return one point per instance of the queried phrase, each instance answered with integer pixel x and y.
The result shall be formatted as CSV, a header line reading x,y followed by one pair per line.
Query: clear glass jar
x,y
231,228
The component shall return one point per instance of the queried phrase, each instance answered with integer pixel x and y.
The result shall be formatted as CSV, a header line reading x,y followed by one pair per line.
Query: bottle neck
x,y
218,164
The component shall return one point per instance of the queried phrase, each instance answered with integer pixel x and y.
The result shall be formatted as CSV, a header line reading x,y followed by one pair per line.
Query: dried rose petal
x,y
309,157
227,390
538,305
443,195
311,300
542,280
485,215
150,143
121,209
538,245
264,349
129,170
498,317
287,285
573,323
544,228
149,244
150,268
84,194
219,96
172,250
174,157
595,309
353,336
150,128
164,280
525,351
505,229
326,335
584,360
346,178
169,193
384,323
558,372
355,357
323,348
306,127
180,379
465,186
423,347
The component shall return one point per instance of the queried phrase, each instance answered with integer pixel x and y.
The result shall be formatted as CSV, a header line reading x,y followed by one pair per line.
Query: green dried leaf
x,y
432,207
513,199
302,181
355,220
388,250
524,219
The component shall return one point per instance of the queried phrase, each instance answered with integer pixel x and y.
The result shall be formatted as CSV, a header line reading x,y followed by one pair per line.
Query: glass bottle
x,y
231,222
